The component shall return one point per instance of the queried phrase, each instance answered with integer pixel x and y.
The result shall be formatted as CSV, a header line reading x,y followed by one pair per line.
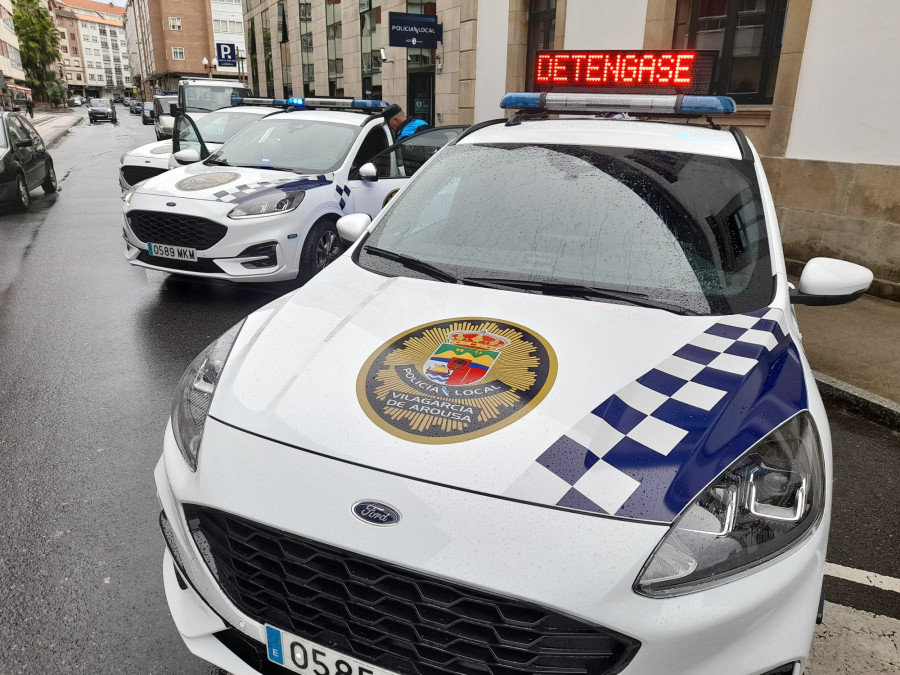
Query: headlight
x,y
195,393
759,508
276,201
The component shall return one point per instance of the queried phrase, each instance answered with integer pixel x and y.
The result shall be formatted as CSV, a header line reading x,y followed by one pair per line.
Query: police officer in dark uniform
x,y
400,124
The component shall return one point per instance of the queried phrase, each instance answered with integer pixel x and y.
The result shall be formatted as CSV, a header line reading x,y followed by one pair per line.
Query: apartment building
x,y
814,81
92,47
174,39
10,58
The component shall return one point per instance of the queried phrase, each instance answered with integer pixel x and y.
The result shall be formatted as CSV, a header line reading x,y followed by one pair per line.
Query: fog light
x,y
171,542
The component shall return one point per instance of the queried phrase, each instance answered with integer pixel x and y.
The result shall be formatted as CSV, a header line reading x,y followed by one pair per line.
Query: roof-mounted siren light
x,y
274,102
645,104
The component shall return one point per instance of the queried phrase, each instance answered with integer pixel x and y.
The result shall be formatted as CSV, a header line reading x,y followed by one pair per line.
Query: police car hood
x,y
152,150
592,406
229,184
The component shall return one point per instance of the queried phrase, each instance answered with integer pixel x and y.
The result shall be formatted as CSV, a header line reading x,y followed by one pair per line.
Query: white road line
x,y
863,577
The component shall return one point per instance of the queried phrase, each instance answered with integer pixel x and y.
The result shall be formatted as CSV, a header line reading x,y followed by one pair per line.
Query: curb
x,y
53,140
859,401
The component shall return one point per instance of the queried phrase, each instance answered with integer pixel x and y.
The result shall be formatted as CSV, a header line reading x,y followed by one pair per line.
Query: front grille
x,y
175,229
392,617
135,174
205,265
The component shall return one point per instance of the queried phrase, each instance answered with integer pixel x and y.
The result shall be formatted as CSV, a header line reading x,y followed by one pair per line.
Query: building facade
x,y
93,54
814,112
10,58
171,39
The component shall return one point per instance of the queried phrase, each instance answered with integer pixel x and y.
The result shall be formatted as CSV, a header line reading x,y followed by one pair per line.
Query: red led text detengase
x,y
673,70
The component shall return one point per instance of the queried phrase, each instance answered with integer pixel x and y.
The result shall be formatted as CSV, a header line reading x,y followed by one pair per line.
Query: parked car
x,y
136,107
549,414
290,175
147,113
118,99
215,128
76,101
102,110
162,116
25,163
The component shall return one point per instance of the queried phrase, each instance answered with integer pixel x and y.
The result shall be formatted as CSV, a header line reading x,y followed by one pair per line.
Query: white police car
x,y
211,131
263,207
550,414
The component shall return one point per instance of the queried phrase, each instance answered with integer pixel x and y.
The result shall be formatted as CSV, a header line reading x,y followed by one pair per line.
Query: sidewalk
x,y
855,351
53,126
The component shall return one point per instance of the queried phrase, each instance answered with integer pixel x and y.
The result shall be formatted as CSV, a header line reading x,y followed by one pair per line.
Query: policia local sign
x,y
414,30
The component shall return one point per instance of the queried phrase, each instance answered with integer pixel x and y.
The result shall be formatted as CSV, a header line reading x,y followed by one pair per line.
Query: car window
x,y
292,143
202,98
375,142
17,129
29,129
162,104
408,156
4,141
218,127
682,229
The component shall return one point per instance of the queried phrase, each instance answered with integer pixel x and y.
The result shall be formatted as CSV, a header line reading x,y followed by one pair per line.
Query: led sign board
x,y
672,71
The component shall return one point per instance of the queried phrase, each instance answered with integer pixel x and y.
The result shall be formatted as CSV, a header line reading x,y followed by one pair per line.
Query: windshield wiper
x,y
412,263
582,291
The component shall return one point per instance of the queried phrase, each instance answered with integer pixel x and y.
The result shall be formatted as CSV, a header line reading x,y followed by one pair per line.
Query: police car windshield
x,y
684,230
291,143
202,98
219,126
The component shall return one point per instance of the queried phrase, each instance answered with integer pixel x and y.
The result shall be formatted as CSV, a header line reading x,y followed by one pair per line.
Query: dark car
x,y
136,107
24,162
101,110
118,99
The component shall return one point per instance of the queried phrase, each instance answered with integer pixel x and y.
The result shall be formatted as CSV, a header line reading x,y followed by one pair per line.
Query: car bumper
x,y
224,260
571,563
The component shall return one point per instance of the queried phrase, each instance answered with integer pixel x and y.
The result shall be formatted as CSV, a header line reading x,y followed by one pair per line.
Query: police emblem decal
x,y
204,181
455,380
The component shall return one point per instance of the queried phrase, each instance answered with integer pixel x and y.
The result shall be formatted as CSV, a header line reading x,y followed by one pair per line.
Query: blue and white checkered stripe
x,y
624,456
235,194
343,193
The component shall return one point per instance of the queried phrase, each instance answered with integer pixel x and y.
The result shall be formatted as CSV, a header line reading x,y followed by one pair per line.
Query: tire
x,y
23,199
323,246
49,185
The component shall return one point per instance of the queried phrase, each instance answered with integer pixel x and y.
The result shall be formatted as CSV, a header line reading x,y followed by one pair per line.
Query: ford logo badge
x,y
376,513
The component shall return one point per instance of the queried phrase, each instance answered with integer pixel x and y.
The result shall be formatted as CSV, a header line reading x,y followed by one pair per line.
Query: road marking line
x,y
863,577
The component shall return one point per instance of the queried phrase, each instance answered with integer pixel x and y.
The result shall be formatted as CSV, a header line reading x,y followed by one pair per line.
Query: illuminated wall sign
x,y
673,71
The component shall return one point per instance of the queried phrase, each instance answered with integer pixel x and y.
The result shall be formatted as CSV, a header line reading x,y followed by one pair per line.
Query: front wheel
x,y
23,199
322,247
49,184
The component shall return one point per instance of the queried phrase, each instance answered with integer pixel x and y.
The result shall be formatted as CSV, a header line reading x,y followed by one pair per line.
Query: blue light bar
x,y
275,102
333,103
653,104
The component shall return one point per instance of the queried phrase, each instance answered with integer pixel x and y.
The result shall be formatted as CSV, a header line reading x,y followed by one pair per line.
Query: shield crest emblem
x,y
464,358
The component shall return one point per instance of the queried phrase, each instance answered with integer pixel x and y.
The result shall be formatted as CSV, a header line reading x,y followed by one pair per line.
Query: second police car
x,y
550,414
263,207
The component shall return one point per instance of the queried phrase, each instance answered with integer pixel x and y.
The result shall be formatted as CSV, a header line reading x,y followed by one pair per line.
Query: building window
x,y
306,49
74,51
370,38
287,84
65,62
64,49
746,33
334,38
62,34
174,23
77,63
541,32
72,36
178,53
267,53
78,76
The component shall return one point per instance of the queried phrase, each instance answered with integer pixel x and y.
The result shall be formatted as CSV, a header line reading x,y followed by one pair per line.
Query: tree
x,y
56,92
38,43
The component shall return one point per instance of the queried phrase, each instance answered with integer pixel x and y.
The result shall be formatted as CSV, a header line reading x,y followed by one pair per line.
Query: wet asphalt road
x,y
90,351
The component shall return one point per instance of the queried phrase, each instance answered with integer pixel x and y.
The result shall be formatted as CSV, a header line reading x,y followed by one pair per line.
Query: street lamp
x,y
210,66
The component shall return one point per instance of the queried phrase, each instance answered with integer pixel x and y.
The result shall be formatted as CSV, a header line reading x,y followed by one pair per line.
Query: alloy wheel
x,y
328,249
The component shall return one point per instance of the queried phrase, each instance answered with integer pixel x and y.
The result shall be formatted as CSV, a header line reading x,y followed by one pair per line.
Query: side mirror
x,y
173,109
368,172
187,156
27,143
152,114
352,226
827,281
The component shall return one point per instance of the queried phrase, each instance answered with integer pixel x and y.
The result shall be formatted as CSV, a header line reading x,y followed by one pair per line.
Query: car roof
x,y
260,110
627,133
